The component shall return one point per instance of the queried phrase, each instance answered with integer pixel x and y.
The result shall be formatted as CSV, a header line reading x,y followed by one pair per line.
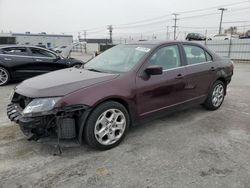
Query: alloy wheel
x,y
110,126
3,76
218,95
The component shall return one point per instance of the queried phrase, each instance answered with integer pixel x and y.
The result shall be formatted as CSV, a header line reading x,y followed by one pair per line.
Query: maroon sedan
x,y
119,88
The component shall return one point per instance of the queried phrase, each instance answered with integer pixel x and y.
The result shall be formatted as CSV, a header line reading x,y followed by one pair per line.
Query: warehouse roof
x,y
40,34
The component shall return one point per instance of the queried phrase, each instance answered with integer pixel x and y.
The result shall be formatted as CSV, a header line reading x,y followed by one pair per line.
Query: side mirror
x,y
154,70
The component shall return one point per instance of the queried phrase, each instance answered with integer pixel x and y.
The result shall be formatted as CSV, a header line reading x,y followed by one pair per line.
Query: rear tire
x,y
4,76
215,96
106,126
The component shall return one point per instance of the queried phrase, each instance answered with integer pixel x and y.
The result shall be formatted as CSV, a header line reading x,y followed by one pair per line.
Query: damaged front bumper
x,y
62,122
26,123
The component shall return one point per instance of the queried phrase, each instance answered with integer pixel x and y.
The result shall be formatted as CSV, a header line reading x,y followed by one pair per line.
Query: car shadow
x,y
49,145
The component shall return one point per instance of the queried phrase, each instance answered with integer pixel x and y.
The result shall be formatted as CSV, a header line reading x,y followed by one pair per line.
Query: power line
x,y
237,22
198,16
152,21
213,7
163,21
209,14
189,27
142,25
183,12
146,20
166,20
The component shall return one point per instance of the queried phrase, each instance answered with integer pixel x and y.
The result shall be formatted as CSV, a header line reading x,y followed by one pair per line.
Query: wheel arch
x,y
7,68
224,82
87,113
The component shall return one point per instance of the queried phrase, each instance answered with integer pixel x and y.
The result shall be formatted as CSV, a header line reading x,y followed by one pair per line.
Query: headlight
x,y
40,105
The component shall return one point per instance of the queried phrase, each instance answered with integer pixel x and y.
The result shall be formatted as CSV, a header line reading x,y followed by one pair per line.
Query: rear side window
x,y
195,54
15,51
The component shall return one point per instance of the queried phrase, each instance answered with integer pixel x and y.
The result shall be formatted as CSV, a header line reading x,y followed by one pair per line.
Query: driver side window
x,y
167,57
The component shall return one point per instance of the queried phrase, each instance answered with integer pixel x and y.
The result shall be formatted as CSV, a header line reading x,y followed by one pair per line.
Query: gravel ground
x,y
191,148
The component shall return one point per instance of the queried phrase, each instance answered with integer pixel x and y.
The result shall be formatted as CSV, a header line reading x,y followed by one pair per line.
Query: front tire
x,y
215,96
106,126
4,76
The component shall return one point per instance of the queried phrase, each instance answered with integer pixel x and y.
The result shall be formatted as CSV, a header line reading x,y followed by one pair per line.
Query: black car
x,y
195,36
22,62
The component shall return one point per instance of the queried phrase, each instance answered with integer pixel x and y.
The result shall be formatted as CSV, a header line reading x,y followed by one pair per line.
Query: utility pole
x,y
175,24
110,29
221,17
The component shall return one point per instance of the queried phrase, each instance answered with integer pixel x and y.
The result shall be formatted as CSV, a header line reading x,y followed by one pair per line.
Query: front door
x,y
158,92
45,61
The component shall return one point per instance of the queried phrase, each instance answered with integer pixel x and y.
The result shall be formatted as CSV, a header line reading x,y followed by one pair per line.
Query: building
x,y
95,41
7,38
41,39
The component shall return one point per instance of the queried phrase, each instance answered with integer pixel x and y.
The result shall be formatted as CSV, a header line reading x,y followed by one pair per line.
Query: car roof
x,y
155,43
24,46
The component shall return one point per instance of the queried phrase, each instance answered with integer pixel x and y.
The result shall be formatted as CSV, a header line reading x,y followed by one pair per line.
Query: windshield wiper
x,y
94,70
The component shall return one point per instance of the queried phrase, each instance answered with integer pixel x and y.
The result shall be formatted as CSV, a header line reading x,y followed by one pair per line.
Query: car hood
x,y
61,83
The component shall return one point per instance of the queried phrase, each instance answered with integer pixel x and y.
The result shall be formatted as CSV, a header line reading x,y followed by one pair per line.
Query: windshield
x,y
119,59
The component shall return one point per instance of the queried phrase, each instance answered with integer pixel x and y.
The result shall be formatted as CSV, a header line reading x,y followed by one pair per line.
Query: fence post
x,y
230,44
206,37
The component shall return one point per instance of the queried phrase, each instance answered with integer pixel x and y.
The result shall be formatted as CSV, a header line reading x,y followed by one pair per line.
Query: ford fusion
x,y
126,84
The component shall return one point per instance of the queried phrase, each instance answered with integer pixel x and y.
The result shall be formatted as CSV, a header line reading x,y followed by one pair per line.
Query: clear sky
x,y
73,16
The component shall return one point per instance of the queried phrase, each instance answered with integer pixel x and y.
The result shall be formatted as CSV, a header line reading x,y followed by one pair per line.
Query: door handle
x,y
212,69
7,59
179,76
39,60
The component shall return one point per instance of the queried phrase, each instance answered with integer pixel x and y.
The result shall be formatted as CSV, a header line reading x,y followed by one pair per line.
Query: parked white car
x,y
224,37
59,49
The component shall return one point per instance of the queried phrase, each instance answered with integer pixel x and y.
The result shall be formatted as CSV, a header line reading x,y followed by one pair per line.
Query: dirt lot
x,y
192,148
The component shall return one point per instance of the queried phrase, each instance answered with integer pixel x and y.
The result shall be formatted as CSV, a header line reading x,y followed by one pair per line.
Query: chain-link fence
x,y
80,48
235,49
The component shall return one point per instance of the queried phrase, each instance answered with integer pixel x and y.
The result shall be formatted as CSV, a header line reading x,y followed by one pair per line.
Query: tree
x,y
231,30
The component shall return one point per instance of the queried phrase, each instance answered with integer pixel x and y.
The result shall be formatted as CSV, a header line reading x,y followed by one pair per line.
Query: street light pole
x,y
221,17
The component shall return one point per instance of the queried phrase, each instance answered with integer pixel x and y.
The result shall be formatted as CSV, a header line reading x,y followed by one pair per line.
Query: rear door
x,y
19,60
201,71
45,61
